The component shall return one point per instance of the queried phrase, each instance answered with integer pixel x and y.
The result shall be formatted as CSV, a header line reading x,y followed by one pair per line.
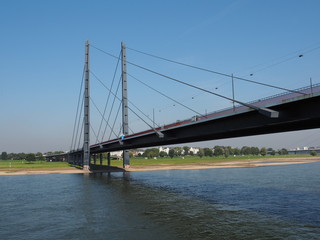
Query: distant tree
x,y
229,149
172,153
30,157
11,156
245,150
178,151
4,155
207,152
151,152
313,153
226,152
21,156
104,155
163,154
236,151
271,151
263,151
283,151
218,151
200,152
186,150
255,151
191,153
39,156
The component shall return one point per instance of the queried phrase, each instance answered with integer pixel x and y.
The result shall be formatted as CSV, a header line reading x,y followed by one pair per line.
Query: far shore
x,y
159,167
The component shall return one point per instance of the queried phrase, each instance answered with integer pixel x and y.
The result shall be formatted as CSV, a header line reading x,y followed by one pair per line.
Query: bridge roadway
x,y
296,112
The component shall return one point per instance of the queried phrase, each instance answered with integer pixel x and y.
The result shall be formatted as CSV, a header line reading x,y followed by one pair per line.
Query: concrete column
x,y
109,159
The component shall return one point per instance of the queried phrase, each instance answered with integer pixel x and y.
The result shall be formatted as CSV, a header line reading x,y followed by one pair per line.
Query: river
x,y
271,202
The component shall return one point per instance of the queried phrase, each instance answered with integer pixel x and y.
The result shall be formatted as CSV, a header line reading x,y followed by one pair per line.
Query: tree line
x,y
26,156
22,156
217,151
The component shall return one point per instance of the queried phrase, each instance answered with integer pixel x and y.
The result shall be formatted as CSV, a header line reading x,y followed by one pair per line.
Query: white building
x,y
164,149
194,150
116,154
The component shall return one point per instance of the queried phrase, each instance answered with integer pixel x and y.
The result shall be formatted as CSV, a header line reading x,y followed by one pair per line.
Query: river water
x,y
273,202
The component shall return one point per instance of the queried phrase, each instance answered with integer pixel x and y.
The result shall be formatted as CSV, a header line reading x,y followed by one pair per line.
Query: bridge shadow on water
x,y
94,168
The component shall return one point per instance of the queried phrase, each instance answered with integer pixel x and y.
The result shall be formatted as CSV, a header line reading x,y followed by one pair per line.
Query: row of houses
x,y
167,149
139,152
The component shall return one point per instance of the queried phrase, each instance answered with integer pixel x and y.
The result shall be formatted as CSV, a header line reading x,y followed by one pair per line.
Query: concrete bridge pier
x,y
94,159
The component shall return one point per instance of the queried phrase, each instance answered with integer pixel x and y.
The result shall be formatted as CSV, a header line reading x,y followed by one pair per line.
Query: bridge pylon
x,y
86,127
125,121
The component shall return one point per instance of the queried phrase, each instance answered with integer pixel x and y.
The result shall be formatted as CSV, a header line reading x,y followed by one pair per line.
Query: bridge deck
x,y
180,132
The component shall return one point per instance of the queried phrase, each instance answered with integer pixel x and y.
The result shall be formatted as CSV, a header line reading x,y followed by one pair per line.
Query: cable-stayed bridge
x,y
289,110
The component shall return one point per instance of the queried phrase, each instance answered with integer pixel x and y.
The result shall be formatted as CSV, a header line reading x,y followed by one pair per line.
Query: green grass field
x,y
22,164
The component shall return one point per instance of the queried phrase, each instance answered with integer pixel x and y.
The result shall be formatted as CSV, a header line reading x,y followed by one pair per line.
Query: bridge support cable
x,y
105,108
264,111
125,120
115,97
79,126
81,131
77,112
86,129
233,92
214,72
114,122
107,123
203,69
157,132
153,123
166,97
111,109
94,132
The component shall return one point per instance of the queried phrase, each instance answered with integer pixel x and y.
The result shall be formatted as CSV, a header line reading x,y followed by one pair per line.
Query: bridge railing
x,y
302,90
262,101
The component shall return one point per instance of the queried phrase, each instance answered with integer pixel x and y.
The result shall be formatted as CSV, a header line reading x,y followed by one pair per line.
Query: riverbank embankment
x,y
158,167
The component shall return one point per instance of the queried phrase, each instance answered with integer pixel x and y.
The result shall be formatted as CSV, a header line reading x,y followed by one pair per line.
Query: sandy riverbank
x,y
207,165
30,171
228,164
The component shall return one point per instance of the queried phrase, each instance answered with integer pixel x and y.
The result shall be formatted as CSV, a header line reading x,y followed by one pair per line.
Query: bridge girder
x,y
295,115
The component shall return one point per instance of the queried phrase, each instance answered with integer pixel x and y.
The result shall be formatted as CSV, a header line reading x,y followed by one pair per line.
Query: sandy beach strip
x,y
39,171
227,164
203,165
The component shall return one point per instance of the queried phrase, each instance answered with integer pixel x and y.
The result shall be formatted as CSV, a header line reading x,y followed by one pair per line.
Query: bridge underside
x,y
296,115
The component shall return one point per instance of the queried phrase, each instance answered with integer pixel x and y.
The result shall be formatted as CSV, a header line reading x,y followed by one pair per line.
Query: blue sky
x,y
42,57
